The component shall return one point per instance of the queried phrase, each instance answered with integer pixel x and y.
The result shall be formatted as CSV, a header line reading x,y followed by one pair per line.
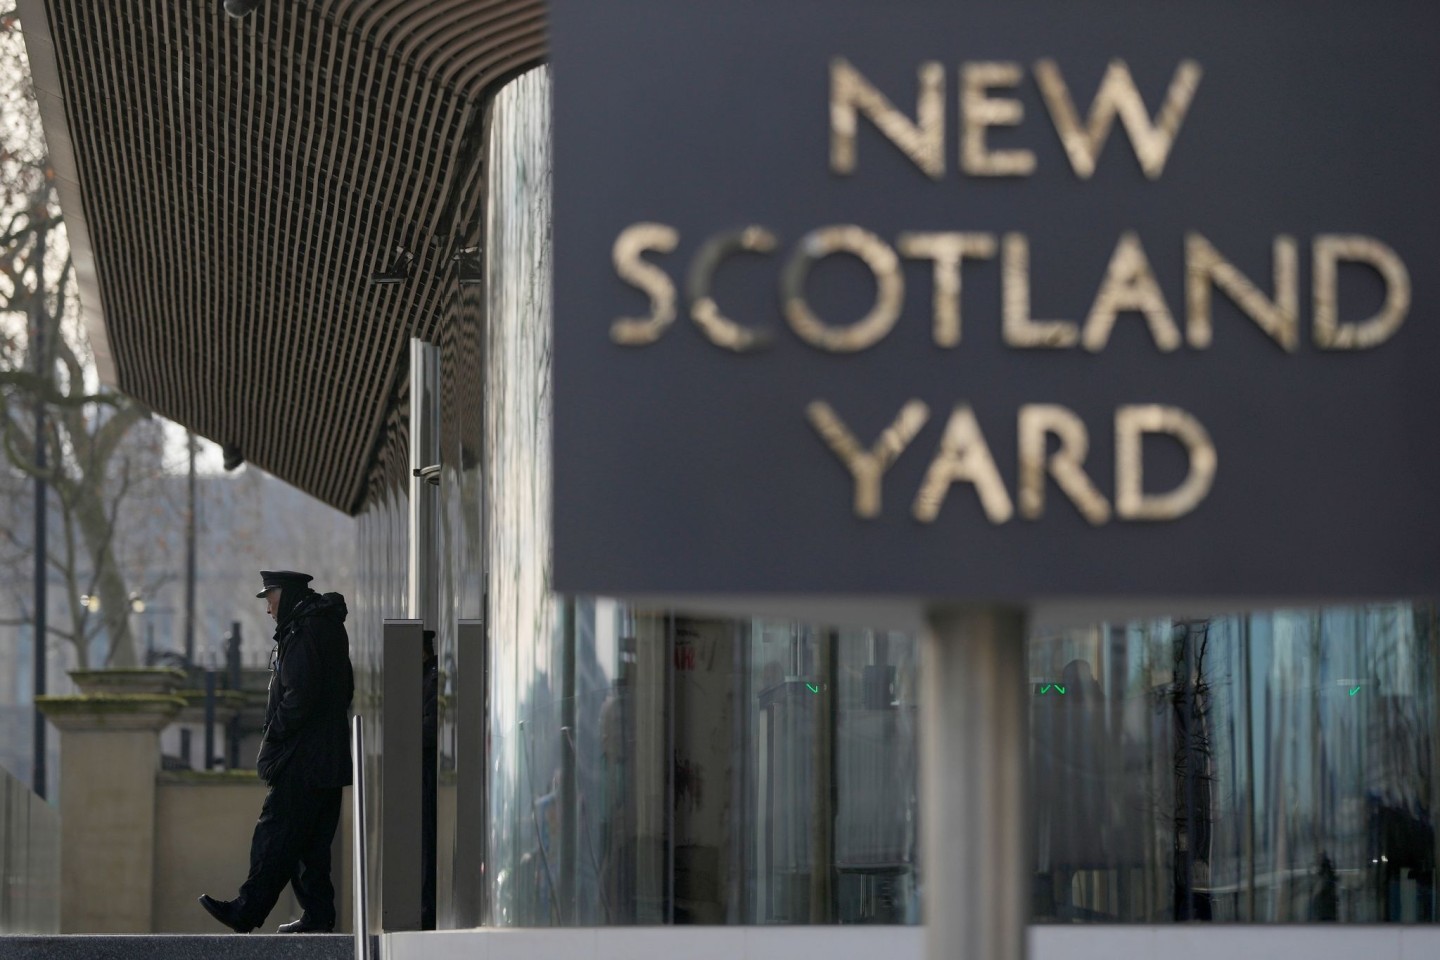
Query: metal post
x,y
209,719
400,794
471,800
568,800
39,773
235,681
189,584
232,656
822,783
424,591
190,555
975,758
359,860
423,584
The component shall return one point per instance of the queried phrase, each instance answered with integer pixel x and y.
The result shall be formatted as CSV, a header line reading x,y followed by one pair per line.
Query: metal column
x,y
975,743
400,797
471,780
360,861
423,606
423,584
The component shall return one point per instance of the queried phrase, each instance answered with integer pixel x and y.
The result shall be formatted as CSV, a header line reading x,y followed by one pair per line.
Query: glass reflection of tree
x,y
1189,703
1400,833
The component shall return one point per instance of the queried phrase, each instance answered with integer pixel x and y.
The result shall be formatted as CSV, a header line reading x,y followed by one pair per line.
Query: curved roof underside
x,y
232,186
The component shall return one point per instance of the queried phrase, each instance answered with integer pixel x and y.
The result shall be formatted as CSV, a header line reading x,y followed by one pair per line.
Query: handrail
x,y
360,867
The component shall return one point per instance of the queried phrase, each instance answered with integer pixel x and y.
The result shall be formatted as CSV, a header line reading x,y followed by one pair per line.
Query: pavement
x,y
231,946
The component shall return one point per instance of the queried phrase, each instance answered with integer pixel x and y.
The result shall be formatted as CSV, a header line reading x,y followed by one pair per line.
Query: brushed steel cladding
x,y
241,181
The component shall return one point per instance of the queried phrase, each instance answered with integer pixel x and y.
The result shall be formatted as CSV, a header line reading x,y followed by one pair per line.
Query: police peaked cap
x,y
281,578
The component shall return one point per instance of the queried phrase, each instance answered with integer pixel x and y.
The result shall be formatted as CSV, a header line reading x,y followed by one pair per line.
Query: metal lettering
x,y
980,112
1016,326
948,250
1130,284
1131,424
1067,464
1118,96
867,467
923,141
889,293
1330,333
632,242
718,328
1204,267
963,456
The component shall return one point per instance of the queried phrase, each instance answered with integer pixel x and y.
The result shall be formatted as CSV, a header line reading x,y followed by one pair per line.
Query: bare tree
x,y
89,457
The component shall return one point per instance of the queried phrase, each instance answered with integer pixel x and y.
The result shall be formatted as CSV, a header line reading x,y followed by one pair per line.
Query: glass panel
x,y
650,766
1269,768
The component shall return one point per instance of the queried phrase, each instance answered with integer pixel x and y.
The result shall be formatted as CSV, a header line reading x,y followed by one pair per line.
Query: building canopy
x,y
237,190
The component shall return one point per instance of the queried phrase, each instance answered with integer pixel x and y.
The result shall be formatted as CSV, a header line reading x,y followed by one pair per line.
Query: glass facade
x,y
646,766
1269,768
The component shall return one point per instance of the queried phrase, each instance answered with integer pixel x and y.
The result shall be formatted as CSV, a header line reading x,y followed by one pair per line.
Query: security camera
x,y
239,8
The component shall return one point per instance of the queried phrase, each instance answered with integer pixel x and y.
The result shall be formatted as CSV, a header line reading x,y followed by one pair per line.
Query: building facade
x,y
650,766
606,764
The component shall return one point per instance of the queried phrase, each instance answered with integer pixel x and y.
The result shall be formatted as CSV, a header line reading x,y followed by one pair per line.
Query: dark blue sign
x,y
1003,300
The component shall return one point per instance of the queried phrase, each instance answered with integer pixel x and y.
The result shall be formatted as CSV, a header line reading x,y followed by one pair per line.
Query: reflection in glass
x,y
1268,768
650,767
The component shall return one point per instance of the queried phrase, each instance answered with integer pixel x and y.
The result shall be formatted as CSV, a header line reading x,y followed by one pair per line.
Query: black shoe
x,y
306,925
227,912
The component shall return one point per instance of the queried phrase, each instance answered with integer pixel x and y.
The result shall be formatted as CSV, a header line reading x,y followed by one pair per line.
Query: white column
x,y
975,864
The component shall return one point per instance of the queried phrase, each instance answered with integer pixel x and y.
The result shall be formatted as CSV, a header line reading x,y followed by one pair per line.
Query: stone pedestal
x,y
109,757
129,680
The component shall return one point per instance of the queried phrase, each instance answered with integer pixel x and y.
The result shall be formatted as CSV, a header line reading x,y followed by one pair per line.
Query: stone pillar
x,y
129,680
974,797
109,757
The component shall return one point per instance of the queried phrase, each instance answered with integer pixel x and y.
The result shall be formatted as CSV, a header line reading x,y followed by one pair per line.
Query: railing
x,y
360,862
29,860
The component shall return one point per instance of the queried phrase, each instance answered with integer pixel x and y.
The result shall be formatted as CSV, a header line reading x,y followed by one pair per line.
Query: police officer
x,y
304,759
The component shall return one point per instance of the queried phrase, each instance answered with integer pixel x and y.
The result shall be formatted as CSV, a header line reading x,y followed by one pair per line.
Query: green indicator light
x,y
1045,689
1354,690
1059,689
813,688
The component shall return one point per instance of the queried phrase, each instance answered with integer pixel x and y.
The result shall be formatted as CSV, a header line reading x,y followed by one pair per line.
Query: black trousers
x,y
292,845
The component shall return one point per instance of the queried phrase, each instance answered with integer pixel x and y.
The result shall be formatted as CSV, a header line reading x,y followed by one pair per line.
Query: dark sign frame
x,y
724,452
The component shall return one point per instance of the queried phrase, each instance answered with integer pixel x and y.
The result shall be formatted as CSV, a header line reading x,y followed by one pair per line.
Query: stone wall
x,y
138,845
203,824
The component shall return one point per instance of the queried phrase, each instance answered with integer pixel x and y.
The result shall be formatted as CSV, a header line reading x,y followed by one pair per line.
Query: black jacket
x,y
307,730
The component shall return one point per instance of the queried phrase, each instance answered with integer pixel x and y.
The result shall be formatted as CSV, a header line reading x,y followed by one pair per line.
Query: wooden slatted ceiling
x,y
243,179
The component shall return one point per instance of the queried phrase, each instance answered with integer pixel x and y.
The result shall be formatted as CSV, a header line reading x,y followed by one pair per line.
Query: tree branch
x,y
14,235
23,459
107,438
46,390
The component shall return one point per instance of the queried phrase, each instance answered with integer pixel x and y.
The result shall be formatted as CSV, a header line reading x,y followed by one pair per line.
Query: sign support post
x,y
974,766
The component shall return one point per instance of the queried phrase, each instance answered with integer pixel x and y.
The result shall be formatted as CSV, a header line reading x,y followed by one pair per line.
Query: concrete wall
x,y
203,825
139,845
